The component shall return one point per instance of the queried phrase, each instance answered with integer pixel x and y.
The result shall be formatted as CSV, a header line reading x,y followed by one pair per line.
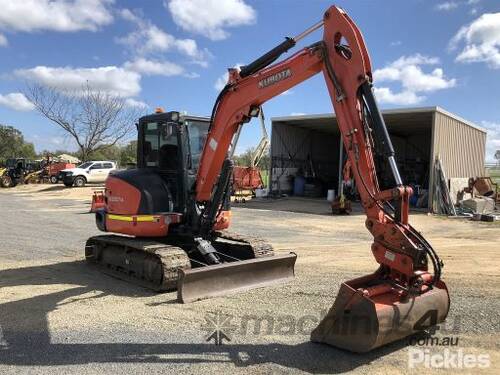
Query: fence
x,y
493,170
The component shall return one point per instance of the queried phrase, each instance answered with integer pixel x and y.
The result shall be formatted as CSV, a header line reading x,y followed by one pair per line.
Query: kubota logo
x,y
116,199
271,80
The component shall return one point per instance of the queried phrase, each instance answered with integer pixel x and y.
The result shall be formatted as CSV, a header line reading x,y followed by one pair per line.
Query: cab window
x,y
160,145
197,135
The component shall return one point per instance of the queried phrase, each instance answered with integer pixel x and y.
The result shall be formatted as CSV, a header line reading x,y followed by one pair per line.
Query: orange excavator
x,y
175,206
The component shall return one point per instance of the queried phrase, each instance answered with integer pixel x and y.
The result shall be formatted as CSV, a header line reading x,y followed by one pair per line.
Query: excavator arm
x,y
347,71
403,282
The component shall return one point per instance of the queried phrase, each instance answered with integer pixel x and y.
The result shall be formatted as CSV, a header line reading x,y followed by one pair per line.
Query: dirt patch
x,y
59,314
56,191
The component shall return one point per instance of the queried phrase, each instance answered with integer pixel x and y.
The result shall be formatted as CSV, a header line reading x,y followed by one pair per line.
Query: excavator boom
x,y
397,299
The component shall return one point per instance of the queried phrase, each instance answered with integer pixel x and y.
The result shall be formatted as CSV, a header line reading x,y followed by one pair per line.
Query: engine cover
x,y
137,192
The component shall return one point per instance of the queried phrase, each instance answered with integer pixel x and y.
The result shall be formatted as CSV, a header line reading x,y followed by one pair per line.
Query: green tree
x,y
44,153
13,145
246,157
123,154
106,152
128,153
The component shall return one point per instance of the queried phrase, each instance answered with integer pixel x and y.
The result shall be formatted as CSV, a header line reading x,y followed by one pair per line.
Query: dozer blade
x,y
360,323
229,278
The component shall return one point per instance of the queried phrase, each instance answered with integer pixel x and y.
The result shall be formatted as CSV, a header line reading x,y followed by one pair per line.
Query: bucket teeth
x,y
359,323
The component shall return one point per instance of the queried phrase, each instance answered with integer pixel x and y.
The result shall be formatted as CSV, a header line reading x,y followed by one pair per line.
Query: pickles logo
x,y
271,80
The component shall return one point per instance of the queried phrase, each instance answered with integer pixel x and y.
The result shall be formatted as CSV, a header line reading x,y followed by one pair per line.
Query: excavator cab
x,y
170,145
164,139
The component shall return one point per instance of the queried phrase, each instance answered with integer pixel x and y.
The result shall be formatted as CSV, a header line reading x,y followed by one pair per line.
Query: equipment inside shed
x,y
305,154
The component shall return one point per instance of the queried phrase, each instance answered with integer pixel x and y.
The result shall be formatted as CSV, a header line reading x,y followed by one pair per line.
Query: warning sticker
x,y
212,144
390,256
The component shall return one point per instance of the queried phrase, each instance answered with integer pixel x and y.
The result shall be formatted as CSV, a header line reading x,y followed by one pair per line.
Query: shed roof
x,y
416,118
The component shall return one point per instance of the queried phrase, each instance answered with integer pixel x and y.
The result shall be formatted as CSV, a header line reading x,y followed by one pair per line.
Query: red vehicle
x,y
54,168
246,178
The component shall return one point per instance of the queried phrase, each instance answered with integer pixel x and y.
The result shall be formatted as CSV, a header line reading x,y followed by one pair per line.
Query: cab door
x,y
107,168
96,173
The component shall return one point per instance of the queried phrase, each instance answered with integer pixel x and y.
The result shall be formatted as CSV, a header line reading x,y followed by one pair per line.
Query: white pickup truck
x,y
88,172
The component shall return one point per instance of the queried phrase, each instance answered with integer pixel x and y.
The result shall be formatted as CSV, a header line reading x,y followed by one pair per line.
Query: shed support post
x,y
341,159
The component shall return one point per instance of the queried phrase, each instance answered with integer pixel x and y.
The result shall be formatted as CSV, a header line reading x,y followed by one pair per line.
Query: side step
x,y
229,278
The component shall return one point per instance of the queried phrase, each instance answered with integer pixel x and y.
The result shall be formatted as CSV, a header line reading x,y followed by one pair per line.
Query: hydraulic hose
x,y
369,102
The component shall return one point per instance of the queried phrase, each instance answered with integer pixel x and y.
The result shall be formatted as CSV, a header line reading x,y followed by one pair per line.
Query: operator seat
x,y
168,158
168,165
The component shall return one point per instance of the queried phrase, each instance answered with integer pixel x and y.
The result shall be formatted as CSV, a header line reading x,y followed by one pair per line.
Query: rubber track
x,y
259,246
171,258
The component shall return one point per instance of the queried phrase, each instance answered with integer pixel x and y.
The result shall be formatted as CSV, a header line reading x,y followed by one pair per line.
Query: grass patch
x,y
494,174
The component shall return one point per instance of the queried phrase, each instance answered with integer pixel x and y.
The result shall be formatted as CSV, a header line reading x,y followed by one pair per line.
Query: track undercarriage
x,y
172,263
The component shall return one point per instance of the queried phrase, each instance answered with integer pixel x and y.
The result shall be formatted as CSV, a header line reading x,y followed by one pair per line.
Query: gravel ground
x,y
59,315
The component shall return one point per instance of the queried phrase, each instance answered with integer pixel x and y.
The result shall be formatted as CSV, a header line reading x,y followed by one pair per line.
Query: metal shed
x,y
310,145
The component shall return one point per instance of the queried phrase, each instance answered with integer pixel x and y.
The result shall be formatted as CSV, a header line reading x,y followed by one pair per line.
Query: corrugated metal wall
x,y
460,147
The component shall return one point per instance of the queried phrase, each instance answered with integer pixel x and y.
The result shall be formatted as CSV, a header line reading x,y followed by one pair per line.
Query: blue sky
x,y
174,53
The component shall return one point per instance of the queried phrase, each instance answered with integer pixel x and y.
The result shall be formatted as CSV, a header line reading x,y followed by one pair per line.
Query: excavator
x,y
170,215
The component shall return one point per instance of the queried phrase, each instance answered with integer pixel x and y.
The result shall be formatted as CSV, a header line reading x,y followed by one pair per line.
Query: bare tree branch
x,y
93,119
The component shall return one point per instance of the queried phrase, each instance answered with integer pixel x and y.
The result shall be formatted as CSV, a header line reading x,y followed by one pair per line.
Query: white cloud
x,y
385,95
150,39
451,5
395,43
481,40
3,41
210,18
447,5
129,102
112,79
407,70
192,75
222,80
16,101
153,67
56,15
59,141
492,139
130,16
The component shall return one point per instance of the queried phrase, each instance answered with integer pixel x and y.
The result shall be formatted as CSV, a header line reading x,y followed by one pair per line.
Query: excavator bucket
x,y
233,277
368,313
